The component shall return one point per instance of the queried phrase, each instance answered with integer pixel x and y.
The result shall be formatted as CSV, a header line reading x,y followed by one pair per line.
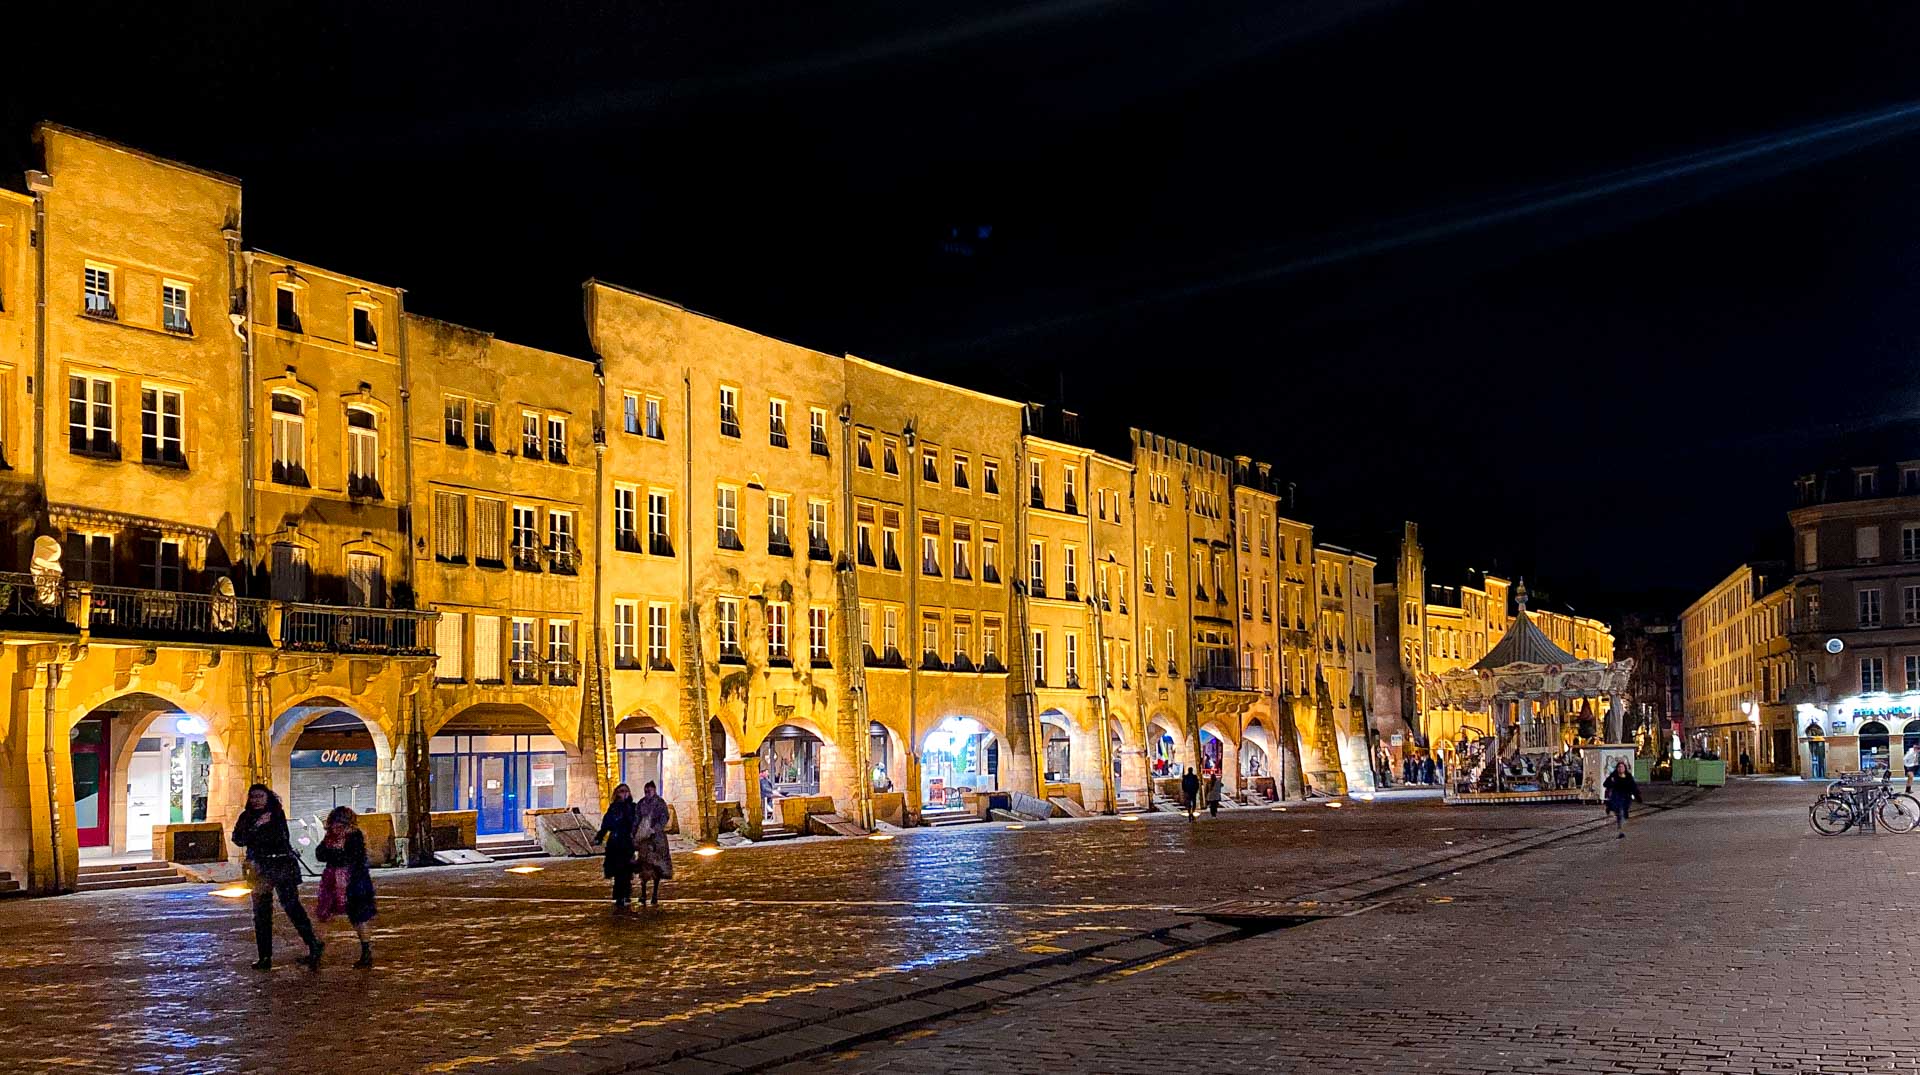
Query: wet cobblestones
x,y
475,962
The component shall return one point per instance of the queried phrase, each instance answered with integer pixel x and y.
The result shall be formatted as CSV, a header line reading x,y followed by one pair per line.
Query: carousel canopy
x,y
1523,644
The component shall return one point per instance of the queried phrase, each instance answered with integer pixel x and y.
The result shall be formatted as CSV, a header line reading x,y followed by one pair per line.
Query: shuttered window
x,y
449,647
490,531
450,527
486,649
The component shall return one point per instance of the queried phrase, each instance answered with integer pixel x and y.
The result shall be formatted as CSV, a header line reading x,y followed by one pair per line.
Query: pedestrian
x,y
656,858
1213,793
1912,762
1190,792
273,870
617,827
1429,772
1620,791
766,793
346,887
1746,763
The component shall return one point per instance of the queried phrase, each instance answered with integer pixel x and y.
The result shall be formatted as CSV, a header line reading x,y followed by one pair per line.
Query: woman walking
x,y
656,859
1213,794
346,888
1190,792
1620,790
272,870
617,827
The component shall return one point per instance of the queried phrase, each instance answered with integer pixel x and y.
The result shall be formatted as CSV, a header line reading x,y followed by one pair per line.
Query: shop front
x,y
1859,733
960,755
498,777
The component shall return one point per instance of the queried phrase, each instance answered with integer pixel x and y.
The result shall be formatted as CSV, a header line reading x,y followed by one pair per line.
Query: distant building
x,y
1734,663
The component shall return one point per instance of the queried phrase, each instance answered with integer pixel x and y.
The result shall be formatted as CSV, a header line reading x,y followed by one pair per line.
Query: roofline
x,y
904,375
1057,445
494,337
99,140
594,281
1716,588
270,256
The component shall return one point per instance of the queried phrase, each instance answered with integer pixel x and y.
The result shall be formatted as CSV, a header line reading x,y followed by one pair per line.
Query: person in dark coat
x,y
617,828
1190,792
273,870
656,858
1213,794
1429,772
347,885
1620,791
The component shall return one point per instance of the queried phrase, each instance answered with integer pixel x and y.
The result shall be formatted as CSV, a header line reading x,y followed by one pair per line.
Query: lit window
x,y
363,452
161,433
90,416
729,623
729,412
657,637
727,516
174,313
98,285
777,423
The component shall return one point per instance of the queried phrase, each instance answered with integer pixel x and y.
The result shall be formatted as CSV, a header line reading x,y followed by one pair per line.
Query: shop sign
x,y
543,774
333,759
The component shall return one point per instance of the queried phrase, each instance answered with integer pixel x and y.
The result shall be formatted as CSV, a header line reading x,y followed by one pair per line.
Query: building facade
x,y
1734,657
265,520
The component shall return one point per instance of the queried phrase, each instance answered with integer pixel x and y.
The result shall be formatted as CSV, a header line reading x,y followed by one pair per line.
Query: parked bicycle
x,y
1846,804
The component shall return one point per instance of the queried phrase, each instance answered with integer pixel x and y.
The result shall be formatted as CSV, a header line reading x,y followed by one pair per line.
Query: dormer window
x,y
1864,483
364,334
286,314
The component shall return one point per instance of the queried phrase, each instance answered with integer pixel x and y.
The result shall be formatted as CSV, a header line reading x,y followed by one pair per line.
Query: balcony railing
x,y
337,629
1228,679
20,607
125,612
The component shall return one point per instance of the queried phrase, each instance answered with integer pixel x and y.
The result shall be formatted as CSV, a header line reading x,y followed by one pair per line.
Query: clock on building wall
x,y
1834,645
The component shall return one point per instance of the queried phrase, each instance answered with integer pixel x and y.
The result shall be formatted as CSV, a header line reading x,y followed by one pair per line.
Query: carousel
x,y
1553,723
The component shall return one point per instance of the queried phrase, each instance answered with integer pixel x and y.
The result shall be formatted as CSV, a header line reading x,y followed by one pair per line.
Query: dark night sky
x,y
1416,254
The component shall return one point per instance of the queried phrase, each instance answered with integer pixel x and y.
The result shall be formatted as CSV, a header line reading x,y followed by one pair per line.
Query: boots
x,y
366,955
313,955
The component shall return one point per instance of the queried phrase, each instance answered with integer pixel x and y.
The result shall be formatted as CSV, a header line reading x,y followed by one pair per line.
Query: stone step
x,y
8,885
776,832
946,816
105,877
508,852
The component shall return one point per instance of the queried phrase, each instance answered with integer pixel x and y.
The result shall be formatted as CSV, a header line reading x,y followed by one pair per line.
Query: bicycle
x,y
1844,805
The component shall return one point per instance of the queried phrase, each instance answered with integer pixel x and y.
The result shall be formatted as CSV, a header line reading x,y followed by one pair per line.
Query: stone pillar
x,y
838,778
752,806
679,771
46,799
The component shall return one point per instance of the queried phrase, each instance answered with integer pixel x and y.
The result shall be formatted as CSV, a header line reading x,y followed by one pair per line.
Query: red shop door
x,y
92,780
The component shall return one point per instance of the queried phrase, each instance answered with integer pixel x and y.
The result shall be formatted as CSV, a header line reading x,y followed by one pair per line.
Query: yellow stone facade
x,y
287,508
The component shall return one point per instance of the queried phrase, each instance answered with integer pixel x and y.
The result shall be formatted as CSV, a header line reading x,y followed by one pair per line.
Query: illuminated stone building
x,y
269,525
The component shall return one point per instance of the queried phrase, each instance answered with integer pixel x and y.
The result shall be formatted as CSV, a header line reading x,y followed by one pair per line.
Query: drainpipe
x,y
406,444
40,183
609,753
855,679
910,531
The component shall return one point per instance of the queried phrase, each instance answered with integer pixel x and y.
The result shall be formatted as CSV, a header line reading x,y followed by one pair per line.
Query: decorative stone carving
x,y
226,606
48,576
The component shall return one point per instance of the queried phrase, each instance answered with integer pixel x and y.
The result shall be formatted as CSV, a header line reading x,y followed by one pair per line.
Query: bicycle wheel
x,y
1899,812
1831,815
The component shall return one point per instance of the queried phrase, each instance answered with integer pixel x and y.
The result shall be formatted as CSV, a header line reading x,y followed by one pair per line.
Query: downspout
x,y
1100,641
239,305
604,710
406,445
1023,596
910,530
418,791
854,653
39,183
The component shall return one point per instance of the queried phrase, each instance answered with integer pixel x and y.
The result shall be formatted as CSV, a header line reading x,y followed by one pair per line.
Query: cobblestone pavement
x,y
1726,937
476,963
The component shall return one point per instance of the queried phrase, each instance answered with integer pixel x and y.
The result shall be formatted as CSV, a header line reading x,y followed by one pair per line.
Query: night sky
x,y
1580,287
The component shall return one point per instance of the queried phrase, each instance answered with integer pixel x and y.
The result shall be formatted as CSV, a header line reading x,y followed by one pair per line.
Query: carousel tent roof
x,y
1523,644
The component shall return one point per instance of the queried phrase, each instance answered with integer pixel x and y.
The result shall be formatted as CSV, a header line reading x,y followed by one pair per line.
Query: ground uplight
x,y
525,869
880,836
707,852
1016,825
233,892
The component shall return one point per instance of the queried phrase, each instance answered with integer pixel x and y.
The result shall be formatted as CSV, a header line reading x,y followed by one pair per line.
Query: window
x,y
1102,497
97,283
89,558
729,626
1809,549
817,429
526,664
1246,531
529,435
990,477
90,416
962,542
160,428
560,543
1037,569
727,516
490,531
930,465
777,631
657,637
1173,668
483,426
366,580
1246,598
990,643
890,632
364,334
1146,557
817,637
160,563
449,647
1070,489
626,518
930,640
960,479
1039,657
659,535
526,538
1910,542
863,536
963,644
1866,544
1070,572
626,633
1869,601
1912,669
1266,537
556,439
863,450
866,629
1863,483
560,651
1036,483
1266,600
1146,648
778,542
1169,576
729,411
1873,675
486,649
777,423
449,527
456,423
817,546
890,541
890,457
1910,604
174,313
630,413
363,452
287,574
286,312
1199,576
930,548
989,559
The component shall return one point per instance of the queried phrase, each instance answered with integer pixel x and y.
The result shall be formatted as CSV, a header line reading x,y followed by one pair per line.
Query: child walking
x,y
346,888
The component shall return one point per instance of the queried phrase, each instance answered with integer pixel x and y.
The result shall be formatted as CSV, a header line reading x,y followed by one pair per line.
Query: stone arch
x,y
390,780
961,751
836,774
1167,742
893,759
1128,757
1216,737
502,759
1257,750
127,716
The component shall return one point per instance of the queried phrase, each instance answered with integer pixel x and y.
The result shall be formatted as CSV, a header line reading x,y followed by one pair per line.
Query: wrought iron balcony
x,y
1227,679
343,629
164,615
21,610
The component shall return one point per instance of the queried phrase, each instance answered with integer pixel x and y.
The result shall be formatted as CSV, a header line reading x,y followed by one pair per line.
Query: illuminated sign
x,y
333,759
